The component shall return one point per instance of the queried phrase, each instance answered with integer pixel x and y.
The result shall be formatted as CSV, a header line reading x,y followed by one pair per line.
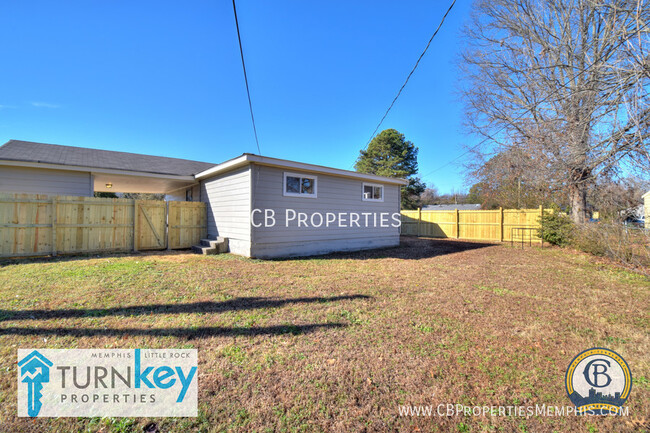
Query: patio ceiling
x,y
144,184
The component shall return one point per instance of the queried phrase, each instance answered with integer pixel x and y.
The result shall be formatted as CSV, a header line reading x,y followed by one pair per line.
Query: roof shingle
x,y
28,151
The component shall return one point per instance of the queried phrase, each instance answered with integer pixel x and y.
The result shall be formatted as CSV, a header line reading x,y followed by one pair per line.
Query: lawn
x,y
338,343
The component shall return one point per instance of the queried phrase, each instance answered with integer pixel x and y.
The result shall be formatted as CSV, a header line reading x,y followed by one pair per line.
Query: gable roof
x,y
27,151
647,194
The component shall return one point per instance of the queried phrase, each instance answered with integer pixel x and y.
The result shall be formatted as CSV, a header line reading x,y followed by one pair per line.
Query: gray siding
x,y
334,194
228,197
44,181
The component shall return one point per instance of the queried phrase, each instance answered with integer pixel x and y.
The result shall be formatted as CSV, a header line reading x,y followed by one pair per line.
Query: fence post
x,y
167,225
541,228
54,212
457,224
500,224
136,226
419,219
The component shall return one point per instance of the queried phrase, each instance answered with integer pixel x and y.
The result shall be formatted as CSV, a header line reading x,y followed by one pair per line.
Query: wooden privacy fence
x,y
33,225
490,225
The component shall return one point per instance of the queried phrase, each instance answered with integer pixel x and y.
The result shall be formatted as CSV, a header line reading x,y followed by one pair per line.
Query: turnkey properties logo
x,y
110,382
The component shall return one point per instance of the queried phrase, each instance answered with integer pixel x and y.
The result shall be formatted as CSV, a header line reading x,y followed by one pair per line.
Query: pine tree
x,y
390,154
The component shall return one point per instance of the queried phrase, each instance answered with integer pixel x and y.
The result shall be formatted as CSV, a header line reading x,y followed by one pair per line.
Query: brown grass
x,y
336,343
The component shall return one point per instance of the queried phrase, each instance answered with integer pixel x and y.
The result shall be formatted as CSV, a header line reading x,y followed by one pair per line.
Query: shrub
x,y
556,228
589,238
627,245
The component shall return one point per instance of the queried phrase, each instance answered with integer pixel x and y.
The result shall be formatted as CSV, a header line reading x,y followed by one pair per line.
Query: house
x,y
646,207
39,168
452,207
265,207
633,215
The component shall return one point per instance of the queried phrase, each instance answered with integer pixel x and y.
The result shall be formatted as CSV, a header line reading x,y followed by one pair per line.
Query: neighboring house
x,y
38,168
632,215
646,207
232,190
452,207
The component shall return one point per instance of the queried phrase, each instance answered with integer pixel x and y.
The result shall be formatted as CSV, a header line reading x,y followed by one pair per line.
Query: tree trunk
x,y
578,200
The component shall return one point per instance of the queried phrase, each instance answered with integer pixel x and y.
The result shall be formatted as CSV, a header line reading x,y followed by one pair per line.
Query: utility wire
x,y
250,104
411,73
528,109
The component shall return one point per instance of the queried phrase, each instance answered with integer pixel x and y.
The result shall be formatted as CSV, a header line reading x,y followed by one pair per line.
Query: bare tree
x,y
565,81
429,196
619,199
510,179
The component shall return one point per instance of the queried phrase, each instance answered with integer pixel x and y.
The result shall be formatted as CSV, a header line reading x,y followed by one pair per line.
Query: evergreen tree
x,y
390,154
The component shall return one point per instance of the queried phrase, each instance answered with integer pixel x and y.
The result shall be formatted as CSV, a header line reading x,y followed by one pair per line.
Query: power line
x,y
411,73
528,109
250,104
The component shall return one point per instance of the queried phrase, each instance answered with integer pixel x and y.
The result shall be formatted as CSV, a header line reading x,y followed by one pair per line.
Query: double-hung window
x,y
299,185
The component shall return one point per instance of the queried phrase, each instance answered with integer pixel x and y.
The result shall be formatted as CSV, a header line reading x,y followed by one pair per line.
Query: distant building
x,y
452,207
633,215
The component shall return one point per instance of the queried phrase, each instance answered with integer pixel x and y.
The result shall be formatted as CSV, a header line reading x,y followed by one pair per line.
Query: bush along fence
x,y
32,225
503,225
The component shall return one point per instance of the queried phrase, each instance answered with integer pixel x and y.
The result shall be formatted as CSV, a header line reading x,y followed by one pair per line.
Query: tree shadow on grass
x,y
236,304
410,248
187,333
74,257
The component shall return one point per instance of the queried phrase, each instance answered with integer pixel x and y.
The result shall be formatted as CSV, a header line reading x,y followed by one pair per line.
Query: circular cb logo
x,y
598,381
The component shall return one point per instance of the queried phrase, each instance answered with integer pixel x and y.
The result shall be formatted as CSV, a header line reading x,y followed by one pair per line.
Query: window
x,y
299,185
372,192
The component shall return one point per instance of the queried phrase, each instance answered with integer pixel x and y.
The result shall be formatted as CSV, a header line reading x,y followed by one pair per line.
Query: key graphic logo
x,y
34,372
107,382
598,381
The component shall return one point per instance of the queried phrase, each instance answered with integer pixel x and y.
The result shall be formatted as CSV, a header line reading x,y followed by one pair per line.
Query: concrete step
x,y
211,242
198,249
212,246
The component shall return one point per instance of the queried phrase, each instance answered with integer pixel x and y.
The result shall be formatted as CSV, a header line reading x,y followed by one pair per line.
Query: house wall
x,y
228,197
646,207
334,194
45,181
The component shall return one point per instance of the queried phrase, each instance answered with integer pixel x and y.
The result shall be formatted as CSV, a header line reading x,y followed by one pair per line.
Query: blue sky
x,y
165,78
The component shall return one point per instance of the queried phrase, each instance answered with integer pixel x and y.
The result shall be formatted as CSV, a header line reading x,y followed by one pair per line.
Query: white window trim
x,y
383,190
300,175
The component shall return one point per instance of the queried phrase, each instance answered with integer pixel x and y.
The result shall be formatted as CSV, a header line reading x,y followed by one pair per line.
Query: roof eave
x,y
66,167
248,158
231,164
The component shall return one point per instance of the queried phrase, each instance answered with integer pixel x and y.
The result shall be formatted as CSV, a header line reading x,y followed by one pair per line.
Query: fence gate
x,y
186,223
150,225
